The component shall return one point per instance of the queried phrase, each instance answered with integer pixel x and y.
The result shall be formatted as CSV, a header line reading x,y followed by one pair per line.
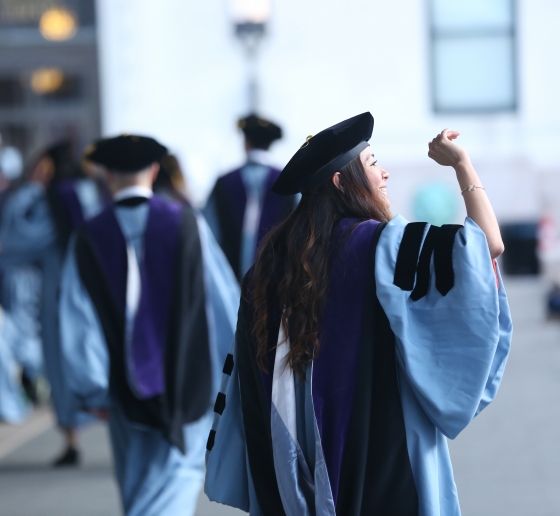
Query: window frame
x,y
435,36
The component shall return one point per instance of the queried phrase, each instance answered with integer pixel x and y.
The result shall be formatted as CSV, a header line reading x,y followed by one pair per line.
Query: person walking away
x,y
148,309
21,359
241,208
37,220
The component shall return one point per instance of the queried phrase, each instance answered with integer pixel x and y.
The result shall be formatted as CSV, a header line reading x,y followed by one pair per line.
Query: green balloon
x,y
435,203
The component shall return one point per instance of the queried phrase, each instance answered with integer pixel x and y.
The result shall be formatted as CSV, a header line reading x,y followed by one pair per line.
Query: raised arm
x,y
447,153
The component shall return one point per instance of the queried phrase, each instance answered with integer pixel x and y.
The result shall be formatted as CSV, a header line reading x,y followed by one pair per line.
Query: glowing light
x,y
46,80
58,24
250,11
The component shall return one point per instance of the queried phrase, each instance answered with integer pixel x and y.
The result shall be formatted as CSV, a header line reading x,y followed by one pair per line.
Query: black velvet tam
x,y
260,132
324,154
126,153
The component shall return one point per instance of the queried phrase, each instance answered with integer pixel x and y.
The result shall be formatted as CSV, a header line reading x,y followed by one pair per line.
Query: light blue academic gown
x,y
254,176
20,344
28,236
451,354
154,478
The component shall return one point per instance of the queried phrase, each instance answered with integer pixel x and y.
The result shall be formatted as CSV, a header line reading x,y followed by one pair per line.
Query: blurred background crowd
x,y
72,71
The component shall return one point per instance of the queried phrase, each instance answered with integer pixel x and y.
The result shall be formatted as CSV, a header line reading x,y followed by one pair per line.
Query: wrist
x,y
463,165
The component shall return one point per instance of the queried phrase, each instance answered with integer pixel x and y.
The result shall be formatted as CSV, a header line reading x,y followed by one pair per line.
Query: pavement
x,y
507,462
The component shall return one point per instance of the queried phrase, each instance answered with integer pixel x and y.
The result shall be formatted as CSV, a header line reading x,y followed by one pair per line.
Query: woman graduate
x,y
363,342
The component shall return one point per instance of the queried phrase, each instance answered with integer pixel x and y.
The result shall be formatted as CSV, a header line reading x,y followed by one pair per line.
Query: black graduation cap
x,y
324,154
126,153
260,132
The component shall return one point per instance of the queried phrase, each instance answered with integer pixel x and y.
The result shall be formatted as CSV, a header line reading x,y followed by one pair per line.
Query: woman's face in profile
x,y
376,175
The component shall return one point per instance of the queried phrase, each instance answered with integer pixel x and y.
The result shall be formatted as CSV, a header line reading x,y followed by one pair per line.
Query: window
x,y
473,55
27,13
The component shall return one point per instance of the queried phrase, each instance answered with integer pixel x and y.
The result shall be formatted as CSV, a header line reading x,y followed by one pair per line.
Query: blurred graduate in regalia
x,y
148,308
37,220
241,208
21,357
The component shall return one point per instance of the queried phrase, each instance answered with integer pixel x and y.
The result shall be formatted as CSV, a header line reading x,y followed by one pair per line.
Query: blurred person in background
x,y
37,220
148,309
170,181
242,208
20,345
11,166
21,356
363,342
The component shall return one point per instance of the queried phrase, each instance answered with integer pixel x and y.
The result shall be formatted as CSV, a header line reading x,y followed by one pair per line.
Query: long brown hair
x,y
292,265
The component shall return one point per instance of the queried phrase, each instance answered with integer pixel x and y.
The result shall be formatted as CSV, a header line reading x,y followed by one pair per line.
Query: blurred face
x,y
376,175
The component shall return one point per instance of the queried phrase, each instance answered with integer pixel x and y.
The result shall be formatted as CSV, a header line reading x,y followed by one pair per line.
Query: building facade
x,y
49,86
485,67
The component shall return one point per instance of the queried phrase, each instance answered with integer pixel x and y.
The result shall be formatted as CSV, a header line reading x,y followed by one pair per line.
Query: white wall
x,y
173,69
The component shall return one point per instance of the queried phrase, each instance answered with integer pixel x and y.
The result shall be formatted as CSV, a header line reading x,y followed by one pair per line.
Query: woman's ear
x,y
337,180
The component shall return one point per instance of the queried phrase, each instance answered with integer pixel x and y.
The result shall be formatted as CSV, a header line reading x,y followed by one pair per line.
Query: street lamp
x,y
250,18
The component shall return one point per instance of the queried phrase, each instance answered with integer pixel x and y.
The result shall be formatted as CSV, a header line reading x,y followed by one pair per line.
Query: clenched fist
x,y
444,151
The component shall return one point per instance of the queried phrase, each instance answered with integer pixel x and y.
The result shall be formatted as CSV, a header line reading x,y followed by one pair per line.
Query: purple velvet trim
x,y
108,240
157,269
65,192
335,368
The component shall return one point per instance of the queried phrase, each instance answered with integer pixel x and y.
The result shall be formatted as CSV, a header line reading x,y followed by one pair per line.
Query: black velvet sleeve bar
x,y
407,259
443,258
423,270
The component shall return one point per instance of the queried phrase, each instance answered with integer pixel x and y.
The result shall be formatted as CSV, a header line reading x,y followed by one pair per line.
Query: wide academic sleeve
x,y
13,407
228,480
210,213
84,350
27,227
222,298
451,344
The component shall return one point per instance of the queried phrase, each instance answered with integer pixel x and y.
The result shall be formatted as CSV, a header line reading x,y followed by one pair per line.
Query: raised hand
x,y
444,151
447,153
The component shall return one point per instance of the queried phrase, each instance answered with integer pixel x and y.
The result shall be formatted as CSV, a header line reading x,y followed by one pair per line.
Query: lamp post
x,y
250,18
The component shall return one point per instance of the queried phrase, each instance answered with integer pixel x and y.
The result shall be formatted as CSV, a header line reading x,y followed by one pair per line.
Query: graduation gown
x,y
20,344
35,227
231,202
415,336
154,363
